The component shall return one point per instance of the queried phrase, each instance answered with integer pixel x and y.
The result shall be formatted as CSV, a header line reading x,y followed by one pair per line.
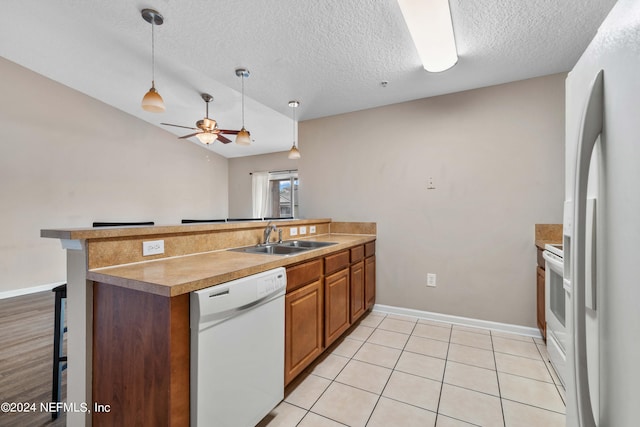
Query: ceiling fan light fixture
x,y
243,137
207,123
206,137
431,28
294,153
152,101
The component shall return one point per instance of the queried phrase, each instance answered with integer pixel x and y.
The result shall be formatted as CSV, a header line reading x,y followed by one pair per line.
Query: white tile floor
x,y
401,371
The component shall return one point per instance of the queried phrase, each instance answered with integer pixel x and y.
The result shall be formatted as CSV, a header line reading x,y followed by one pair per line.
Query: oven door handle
x,y
555,264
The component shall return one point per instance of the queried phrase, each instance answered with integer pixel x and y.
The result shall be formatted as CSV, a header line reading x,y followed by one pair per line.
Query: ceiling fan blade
x,y
228,131
189,136
178,126
223,139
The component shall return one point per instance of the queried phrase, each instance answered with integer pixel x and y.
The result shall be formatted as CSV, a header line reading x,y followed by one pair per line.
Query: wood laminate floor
x,y
26,358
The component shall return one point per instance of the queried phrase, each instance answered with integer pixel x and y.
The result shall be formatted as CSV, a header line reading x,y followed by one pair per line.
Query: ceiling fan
x,y
207,129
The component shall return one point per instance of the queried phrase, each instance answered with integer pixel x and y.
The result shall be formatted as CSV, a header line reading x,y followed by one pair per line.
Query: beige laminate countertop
x,y
179,275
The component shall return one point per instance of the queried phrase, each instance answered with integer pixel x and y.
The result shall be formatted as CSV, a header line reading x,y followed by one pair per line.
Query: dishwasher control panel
x,y
270,284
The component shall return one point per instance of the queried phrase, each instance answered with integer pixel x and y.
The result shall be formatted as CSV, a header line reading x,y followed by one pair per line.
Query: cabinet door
x,y
540,302
370,281
303,328
336,305
357,291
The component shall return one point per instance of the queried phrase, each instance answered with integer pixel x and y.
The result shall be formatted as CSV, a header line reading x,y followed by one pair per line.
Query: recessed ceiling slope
x,y
331,54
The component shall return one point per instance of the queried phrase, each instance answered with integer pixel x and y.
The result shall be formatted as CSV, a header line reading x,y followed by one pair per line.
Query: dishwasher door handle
x,y
255,303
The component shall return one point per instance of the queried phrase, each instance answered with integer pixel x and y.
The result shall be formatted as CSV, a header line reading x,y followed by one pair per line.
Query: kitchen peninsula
x,y
128,314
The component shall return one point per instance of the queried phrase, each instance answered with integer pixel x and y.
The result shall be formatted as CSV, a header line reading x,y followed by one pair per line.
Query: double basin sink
x,y
290,247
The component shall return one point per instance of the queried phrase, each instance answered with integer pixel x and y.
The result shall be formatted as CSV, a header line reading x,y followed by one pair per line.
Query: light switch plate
x,y
312,229
431,280
293,231
303,230
153,247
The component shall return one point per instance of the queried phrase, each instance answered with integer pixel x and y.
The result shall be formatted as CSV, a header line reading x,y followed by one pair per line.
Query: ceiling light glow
x,y
431,28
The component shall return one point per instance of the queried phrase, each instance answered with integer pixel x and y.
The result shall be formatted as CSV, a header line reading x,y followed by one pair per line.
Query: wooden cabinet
x,y
370,275
540,302
336,305
301,274
356,279
337,294
140,357
303,328
324,297
335,262
356,283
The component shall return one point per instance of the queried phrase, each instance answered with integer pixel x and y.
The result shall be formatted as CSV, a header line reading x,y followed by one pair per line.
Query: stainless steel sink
x,y
309,244
271,250
291,247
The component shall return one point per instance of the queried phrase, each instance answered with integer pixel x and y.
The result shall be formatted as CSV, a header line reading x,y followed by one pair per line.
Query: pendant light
x,y
244,136
152,101
294,153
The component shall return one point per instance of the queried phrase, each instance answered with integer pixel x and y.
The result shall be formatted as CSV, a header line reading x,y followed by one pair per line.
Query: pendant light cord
x,y
242,100
153,56
294,126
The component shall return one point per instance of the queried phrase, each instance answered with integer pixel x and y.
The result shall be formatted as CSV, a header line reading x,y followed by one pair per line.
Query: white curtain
x,y
260,191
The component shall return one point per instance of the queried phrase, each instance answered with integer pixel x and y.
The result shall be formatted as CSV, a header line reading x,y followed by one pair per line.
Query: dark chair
x,y
59,359
193,221
121,224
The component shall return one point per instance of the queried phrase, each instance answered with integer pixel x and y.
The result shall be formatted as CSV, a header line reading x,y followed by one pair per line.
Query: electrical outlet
x,y
303,230
312,229
153,247
293,231
431,279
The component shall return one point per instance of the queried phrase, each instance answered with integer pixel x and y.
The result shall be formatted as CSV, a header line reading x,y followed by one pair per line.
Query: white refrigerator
x,y
602,225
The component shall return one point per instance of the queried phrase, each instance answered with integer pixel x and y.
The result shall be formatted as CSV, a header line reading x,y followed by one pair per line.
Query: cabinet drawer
x,y
357,253
336,262
369,249
301,274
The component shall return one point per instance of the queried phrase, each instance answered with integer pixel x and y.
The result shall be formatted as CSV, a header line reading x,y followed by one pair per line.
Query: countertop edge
x,y
255,263
87,233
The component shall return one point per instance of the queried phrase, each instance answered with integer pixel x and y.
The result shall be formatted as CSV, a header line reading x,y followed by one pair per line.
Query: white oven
x,y
557,310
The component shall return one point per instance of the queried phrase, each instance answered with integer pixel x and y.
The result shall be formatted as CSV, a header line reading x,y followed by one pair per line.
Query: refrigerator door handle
x,y
591,127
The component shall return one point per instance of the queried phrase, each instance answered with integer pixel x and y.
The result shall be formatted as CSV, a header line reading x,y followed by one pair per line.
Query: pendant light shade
x,y
294,153
244,136
152,101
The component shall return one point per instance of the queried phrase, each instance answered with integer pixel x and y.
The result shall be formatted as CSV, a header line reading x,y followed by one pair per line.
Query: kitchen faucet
x,y
267,232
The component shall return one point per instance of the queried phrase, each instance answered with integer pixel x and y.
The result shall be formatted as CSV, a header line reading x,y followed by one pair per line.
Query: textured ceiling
x,y
329,54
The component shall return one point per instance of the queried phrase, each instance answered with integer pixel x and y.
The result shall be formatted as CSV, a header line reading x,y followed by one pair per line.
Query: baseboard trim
x,y
27,291
457,320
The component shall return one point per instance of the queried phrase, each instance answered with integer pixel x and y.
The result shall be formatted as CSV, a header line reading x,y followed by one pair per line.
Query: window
x,y
283,194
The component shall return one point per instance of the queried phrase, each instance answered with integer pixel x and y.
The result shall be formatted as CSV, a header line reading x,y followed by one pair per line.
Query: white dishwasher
x,y
237,350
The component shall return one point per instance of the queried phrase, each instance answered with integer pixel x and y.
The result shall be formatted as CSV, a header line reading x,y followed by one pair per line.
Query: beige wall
x,y
496,156
67,160
240,197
